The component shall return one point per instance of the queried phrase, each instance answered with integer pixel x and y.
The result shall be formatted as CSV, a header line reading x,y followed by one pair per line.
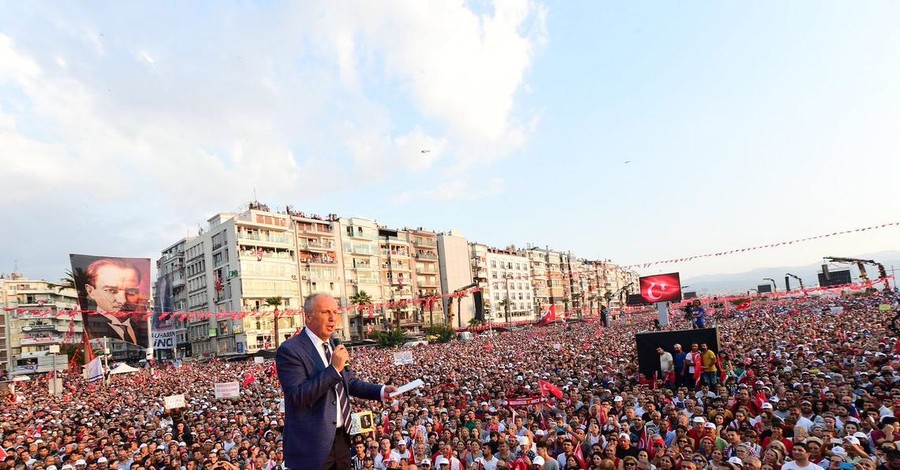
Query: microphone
x,y
337,341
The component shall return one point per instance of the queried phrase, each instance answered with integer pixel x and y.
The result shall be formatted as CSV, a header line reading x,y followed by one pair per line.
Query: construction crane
x,y
861,264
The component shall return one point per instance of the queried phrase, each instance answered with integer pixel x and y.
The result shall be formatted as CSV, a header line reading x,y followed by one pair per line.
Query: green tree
x,y
505,303
607,296
441,333
360,299
72,280
474,322
275,302
389,339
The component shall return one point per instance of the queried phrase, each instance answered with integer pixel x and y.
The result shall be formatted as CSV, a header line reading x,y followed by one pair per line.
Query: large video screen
x,y
661,288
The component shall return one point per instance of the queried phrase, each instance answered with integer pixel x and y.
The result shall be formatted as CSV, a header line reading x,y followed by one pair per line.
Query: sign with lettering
x,y
227,390
403,358
164,339
174,401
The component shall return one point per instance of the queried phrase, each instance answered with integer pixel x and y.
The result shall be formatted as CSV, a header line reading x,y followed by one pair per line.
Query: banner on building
x,y
164,339
113,294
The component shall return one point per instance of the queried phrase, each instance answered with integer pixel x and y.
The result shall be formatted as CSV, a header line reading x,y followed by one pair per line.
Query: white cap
x,y
767,406
617,398
441,461
102,460
736,461
538,460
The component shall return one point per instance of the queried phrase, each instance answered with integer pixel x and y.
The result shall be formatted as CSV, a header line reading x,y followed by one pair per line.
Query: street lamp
x,y
774,286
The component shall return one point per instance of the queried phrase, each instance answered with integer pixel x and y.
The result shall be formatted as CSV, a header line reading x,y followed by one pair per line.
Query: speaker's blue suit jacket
x,y
310,416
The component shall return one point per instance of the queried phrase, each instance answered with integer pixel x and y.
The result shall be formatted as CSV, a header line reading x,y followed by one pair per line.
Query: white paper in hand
x,y
410,386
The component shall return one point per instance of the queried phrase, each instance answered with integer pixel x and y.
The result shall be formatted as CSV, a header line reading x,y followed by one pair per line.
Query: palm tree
x,y
608,295
361,298
72,280
275,302
505,305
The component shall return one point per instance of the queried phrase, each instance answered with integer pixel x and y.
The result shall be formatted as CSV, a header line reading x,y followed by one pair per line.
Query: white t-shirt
x,y
488,464
689,359
793,466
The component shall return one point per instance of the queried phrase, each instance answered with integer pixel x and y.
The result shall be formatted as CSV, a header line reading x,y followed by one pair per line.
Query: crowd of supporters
x,y
800,383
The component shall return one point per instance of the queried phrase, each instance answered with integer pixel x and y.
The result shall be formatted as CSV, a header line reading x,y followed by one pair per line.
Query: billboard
x,y
113,295
764,288
635,300
163,330
835,278
648,359
661,288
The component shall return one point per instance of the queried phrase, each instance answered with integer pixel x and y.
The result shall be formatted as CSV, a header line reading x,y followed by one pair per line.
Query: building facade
x,y
32,325
456,274
508,291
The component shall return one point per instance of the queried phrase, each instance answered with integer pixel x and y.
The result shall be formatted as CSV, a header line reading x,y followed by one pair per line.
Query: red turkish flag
x,y
547,387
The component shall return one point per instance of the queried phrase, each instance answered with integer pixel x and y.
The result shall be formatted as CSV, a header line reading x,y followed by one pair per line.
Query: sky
x,y
630,131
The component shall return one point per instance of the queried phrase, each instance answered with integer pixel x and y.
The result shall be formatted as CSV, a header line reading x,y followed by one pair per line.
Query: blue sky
x,y
124,127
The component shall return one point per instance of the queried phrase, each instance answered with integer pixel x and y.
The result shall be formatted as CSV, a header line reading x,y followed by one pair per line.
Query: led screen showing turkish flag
x,y
661,288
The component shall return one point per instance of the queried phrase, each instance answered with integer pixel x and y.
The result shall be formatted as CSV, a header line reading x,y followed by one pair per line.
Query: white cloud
x,y
296,102
454,190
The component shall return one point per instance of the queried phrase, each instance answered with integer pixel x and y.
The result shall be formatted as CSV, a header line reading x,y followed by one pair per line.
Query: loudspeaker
x,y
479,305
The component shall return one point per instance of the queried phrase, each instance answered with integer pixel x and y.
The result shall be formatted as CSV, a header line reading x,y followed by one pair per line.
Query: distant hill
x,y
742,282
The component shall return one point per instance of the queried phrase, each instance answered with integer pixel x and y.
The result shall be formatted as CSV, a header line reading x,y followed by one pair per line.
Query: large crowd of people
x,y
802,383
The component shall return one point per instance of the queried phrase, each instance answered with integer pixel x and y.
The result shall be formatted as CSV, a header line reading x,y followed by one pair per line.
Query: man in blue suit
x,y
317,387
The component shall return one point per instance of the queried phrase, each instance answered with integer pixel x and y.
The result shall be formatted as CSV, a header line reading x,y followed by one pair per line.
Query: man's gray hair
x,y
310,300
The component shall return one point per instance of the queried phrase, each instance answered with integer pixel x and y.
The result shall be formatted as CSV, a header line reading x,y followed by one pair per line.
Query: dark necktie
x,y
341,393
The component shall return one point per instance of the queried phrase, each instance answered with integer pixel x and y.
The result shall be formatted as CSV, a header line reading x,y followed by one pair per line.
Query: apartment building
x,y
170,295
540,279
397,263
362,273
246,263
508,290
426,275
31,328
454,261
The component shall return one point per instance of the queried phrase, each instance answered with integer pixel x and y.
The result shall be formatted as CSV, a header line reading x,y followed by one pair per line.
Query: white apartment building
x,y
362,272
31,325
509,284
243,267
170,295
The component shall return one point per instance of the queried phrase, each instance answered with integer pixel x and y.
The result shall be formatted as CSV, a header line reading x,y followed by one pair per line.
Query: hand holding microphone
x,y
340,357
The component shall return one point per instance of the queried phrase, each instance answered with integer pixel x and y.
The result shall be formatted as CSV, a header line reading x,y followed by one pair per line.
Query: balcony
x,y
316,259
315,245
425,270
403,253
427,282
258,237
427,256
424,242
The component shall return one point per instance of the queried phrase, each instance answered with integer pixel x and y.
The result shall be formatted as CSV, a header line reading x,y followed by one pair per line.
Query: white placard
x,y
557,346
403,358
258,360
227,390
361,423
174,401
405,388
163,339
